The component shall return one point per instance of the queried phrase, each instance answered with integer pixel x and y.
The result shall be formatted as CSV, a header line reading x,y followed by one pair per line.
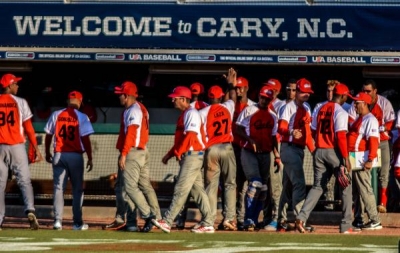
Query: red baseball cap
x,y
127,88
274,84
341,89
362,96
267,92
9,79
215,92
303,85
75,94
181,91
242,82
197,88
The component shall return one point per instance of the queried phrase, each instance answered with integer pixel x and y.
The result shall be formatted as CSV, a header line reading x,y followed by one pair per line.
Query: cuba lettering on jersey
x,y
217,122
238,109
383,112
260,125
297,118
13,112
189,121
68,126
198,105
328,119
136,114
360,131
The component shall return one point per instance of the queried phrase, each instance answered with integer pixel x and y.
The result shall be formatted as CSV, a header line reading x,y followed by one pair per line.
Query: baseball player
x,y
219,158
364,136
257,126
242,87
15,122
270,220
71,130
294,126
329,126
134,155
197,90
188,148
330,192
382,109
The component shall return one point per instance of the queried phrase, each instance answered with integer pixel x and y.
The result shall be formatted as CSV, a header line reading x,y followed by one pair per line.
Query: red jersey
x,y
260,125
239,106
217,122
188,122
296,117
360,131
329,119
135,115
384,113
13,112
68,126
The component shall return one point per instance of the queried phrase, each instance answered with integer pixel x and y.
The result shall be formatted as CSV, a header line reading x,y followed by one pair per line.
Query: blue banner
x,y
208,27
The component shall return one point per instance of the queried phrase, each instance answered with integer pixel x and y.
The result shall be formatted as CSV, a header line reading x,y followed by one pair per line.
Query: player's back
x,y
13,112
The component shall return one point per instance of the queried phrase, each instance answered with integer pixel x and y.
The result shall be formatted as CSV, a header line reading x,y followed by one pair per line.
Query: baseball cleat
x,y
162,224
80,227
57,225
115,225
203,230
229,225
34,225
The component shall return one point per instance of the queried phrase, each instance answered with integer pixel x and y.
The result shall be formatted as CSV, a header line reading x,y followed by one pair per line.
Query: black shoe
x,y
372,225
148,225
180,223
240,226
357,225
115,225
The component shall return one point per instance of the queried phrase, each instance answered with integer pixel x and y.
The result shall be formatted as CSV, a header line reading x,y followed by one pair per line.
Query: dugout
x,y
92,46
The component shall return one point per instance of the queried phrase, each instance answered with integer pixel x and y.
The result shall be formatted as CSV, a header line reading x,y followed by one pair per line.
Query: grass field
x,y
47,240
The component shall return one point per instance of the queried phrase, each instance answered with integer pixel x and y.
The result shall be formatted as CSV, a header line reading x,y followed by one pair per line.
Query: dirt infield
x,y
96,224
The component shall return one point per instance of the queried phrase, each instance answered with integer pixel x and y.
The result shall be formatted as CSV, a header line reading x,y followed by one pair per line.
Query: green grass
x,y
109,241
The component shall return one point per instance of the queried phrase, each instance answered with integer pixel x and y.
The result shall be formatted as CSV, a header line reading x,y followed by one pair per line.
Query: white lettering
x,y
143,28
162,26
52,25
85,26
106,26
68,27
329,28
305,25
27,23
273,28
200,28
247,27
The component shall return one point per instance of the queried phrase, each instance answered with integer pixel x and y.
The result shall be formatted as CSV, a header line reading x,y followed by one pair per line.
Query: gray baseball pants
x,y
190,180
15,158
294,183
220,163
363,188
137,183
68,165
326,161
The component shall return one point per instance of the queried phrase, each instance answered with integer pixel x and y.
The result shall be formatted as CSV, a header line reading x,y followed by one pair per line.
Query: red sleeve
x,y
373,143
130,139
310,143
283,127
389,125
87,145
29,131
342,143
182,148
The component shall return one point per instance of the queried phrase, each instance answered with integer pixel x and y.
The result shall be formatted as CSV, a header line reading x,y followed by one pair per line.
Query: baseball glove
x,y
343,177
